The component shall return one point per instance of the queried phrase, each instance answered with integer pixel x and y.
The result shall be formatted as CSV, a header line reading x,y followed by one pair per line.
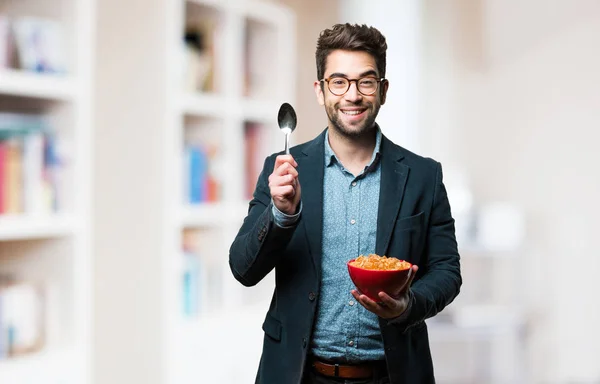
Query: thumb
x,y
413,273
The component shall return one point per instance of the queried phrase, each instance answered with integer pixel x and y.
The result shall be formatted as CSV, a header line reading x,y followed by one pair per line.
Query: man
x,y
348,192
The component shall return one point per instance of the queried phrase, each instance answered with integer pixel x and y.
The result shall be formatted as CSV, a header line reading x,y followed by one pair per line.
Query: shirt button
x,y
311,296
354,183
351,302
304,342
351,343
352,221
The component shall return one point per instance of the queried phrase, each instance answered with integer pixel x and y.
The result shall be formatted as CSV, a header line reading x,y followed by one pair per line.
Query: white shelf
x,y
218,4
260,110
200,328
212,214
198,340
205,104
199,104
20,227
265,12
48,367
36,85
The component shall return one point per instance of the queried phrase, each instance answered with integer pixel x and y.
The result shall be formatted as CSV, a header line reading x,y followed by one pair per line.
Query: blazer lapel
x,y
311,172
393,180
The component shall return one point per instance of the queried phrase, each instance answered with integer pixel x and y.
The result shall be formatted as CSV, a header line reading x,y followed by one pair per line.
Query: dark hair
x,y
351,37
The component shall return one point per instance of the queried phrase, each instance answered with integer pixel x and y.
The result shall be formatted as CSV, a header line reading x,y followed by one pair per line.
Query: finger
x,y
413,273
283,191
389,302
281,159
362,299
286,169
277,180
367,303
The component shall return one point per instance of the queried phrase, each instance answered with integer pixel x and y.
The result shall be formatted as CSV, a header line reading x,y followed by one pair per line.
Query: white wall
x,y
523,83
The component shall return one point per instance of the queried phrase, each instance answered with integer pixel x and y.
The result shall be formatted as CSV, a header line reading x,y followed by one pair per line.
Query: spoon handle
x,y
287,143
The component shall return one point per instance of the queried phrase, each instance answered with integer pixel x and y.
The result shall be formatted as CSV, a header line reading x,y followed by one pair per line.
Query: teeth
x,y
352,112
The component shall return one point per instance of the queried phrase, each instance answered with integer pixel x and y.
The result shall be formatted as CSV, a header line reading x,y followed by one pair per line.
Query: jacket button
x,y
262,233
311,296
304,342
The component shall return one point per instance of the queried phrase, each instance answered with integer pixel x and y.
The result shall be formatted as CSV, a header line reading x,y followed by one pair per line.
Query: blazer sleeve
x,y
259,242
441,279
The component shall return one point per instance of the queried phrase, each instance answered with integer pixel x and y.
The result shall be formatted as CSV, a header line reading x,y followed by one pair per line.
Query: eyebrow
x,y
370,72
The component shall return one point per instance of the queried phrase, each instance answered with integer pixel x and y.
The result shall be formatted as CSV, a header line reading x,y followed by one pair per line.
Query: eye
x,y
338,81
368,82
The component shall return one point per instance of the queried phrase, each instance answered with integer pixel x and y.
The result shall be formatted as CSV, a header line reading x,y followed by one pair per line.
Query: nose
x,y
353,95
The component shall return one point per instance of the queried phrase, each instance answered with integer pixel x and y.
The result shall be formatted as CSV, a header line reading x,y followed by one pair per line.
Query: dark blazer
x,y
414,223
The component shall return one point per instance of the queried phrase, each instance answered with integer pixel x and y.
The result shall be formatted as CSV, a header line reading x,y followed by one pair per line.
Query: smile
x,y
352,112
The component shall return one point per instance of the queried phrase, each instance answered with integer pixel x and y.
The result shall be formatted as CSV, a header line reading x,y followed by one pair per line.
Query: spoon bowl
x,y
286,118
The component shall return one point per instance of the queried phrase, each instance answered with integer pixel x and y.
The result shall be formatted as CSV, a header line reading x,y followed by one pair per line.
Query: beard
x,y
353,130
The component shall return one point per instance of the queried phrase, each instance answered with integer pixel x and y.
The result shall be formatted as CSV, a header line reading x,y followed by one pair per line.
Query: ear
x,y
384,88
319,93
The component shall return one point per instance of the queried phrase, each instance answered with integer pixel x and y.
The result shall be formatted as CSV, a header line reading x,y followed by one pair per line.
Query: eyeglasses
x,y
367,86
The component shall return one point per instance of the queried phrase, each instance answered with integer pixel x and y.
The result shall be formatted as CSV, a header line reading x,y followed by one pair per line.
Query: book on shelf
x,y
29,165
200,273
32,43
200,180
22,318
199,56
191,277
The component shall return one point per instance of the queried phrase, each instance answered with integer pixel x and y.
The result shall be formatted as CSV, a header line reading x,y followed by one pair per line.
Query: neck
x,y
353,152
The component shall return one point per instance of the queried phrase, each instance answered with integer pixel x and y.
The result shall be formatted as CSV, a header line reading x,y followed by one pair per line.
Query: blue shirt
x,y
344,329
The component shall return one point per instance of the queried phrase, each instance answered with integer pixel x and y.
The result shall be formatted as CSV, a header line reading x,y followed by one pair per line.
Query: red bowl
x,y
371,281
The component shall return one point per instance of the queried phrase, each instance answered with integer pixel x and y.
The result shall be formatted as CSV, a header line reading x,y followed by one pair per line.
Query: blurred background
x,y
132,133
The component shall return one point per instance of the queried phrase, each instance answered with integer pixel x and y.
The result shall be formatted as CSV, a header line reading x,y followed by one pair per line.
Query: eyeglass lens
x,y
340,85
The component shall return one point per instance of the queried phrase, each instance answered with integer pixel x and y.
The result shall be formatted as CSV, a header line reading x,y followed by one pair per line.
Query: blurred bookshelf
x,y
230,60
45,129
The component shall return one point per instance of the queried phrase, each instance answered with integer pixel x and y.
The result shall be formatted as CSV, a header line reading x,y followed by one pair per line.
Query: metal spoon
x,y
286,118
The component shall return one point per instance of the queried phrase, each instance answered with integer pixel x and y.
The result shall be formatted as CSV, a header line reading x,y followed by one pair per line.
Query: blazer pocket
x,y
410,223
407,238
272,327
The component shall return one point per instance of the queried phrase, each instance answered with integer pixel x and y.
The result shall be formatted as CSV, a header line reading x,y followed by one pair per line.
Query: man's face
x,y
351,114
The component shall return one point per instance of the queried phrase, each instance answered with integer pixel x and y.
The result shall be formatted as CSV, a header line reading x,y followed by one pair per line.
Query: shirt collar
x,y
330,156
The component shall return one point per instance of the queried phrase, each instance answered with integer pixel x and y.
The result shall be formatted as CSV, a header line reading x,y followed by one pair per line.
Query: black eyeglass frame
x,y
378,81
